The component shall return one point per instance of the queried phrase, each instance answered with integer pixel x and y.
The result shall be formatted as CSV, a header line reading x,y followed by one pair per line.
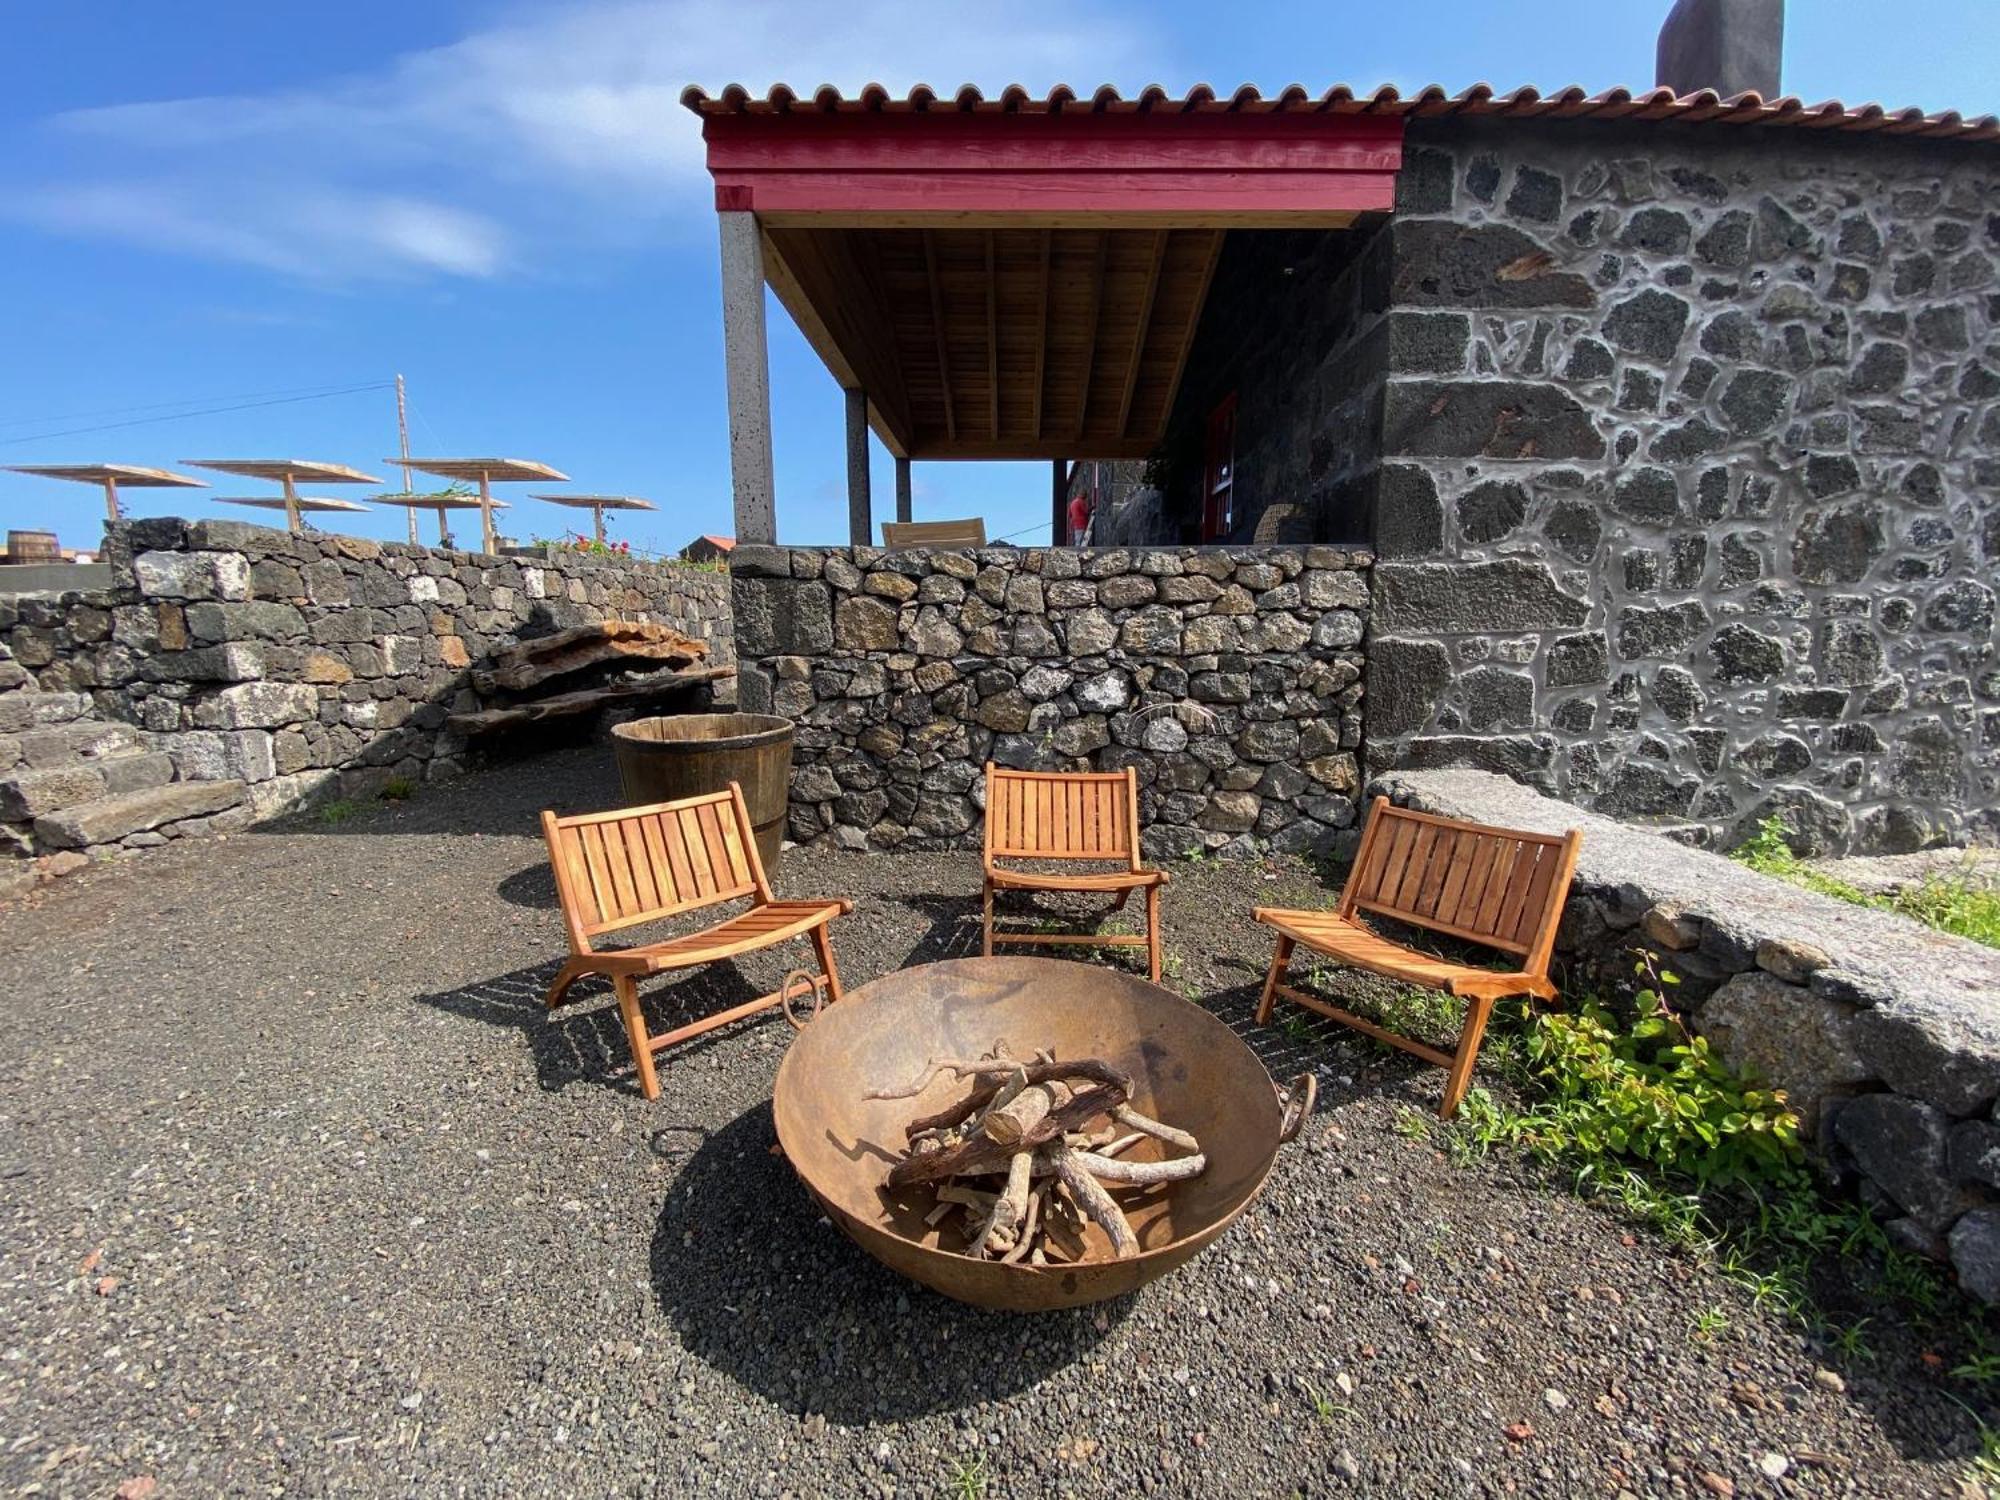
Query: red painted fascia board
x,y
805,163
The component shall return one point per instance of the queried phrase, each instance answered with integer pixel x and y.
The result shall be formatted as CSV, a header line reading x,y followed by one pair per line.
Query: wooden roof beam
x,y
1090,331
992,339
1154,263
937,328
1042,342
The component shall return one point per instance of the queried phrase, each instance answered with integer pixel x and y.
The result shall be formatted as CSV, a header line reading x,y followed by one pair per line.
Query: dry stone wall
x,y
1228,678
271,669
1690,502
1884,1034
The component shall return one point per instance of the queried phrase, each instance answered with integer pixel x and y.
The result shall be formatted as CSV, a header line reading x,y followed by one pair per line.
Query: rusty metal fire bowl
x,y
1187,1067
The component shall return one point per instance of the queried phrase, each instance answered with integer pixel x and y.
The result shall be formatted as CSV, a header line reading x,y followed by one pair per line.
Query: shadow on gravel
x,y
533,886
764,1290
584,1042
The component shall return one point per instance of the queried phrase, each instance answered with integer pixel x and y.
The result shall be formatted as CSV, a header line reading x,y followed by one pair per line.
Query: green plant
x,y
336,813
1707,1325
1297,1029
1323,1408
968,1477
1851,1342
397,789
1650,1093
1413,1124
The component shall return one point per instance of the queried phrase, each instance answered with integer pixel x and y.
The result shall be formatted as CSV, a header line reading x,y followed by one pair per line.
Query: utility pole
x,y
403,436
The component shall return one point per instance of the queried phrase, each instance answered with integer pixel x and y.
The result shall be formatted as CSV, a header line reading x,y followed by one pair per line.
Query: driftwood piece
x,y
978,1156
563,705
536,663
1094,1200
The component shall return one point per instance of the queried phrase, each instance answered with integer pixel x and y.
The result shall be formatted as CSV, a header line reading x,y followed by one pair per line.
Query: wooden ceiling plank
x,y
992,338
1089,329
1042,340
1154,260
937,328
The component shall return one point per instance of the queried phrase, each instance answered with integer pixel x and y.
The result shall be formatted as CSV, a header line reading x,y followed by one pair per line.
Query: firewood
x,y
1093,1200
1140,1173
979,1156
1125,1115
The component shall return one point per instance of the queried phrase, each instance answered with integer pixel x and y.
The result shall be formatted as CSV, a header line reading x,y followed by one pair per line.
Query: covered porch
x,y
1006,279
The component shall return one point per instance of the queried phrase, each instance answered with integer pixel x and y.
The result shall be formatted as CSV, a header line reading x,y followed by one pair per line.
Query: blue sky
x,y
219,199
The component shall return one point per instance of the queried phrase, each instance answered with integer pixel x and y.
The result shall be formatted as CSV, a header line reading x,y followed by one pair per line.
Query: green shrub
x,y
1651,1095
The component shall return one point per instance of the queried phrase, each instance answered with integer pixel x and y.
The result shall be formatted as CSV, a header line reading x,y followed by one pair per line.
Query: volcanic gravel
x,y
305,1194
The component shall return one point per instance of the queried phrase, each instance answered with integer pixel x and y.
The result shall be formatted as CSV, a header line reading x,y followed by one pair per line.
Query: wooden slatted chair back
x,y
1062,815
639,864
1496,886
970,532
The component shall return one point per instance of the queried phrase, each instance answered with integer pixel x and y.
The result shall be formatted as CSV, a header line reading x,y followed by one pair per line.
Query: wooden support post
x,y
1059,505
486,516
860,520
902,489
293,523
111,499
747,368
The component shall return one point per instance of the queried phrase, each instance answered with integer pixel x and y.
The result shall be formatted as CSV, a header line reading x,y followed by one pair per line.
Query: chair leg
x,y
566,976
1468,1053
987,951
635,1032
1153,931
1278,961
823,945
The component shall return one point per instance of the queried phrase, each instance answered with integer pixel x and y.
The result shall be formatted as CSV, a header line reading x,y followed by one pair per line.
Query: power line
x,y
121,411
379,385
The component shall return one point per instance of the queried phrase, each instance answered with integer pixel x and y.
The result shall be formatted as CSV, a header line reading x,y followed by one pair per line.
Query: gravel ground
x,y
305,1195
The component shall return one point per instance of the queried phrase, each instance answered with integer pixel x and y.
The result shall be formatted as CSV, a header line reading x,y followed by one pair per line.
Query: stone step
x,y
30,794
105,820
64,744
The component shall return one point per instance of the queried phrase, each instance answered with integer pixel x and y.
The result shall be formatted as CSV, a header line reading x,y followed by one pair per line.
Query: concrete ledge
x,y
54,578
1884,1033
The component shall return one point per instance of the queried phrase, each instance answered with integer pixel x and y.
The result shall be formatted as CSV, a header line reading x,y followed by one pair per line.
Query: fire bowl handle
x,y
790,987
1298,1098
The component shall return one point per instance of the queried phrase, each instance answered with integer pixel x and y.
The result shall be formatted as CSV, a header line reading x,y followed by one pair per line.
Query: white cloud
x,y
548,129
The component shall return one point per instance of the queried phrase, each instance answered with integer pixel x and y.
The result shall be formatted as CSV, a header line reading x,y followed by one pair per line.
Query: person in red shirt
x,y
1079,518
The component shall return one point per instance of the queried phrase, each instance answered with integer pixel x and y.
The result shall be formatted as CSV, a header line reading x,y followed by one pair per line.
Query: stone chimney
x,y
1731,46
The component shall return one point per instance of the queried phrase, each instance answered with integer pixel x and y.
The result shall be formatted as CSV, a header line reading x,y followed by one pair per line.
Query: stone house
x,y
1670,422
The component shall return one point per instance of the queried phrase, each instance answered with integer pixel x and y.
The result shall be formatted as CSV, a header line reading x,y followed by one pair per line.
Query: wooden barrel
x,y
33,547
689,755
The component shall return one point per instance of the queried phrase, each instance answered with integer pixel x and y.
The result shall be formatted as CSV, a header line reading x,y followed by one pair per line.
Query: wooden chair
x,y
966,533
640,864
1069,816
1496,887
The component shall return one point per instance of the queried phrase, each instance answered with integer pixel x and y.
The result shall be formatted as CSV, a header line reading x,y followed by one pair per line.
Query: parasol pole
x,y
486,514
403,437
597,511
292,521
111,497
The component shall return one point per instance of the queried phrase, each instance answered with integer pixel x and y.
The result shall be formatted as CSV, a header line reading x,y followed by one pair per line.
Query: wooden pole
x,y
111,498
293,522
860,518
597,515
747,368
403,438
486,515
902,489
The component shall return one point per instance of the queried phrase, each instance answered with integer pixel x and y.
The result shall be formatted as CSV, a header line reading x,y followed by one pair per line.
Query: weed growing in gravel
x,y
1297,1029
1954,906
968,1478
1852,1342
397,789
1413,1124
336,813
1708,1325
1327,1411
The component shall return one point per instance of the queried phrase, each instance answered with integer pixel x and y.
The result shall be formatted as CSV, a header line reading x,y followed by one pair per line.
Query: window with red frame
x,y
1218,471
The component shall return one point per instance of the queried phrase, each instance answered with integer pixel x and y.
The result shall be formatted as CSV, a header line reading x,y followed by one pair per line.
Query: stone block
x,y
105,820
261,705
252,621
192,575
1487,419
1510,594
25,795
1787,1037
1442,263
1901,1146
781,617
247,755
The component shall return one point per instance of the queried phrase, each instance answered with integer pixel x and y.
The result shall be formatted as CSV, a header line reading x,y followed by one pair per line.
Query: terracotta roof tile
x,y
1430,102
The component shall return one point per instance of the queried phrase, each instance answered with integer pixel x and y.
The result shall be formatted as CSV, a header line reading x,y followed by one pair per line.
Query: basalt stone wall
x,y
1228,678
1690,501
282,666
